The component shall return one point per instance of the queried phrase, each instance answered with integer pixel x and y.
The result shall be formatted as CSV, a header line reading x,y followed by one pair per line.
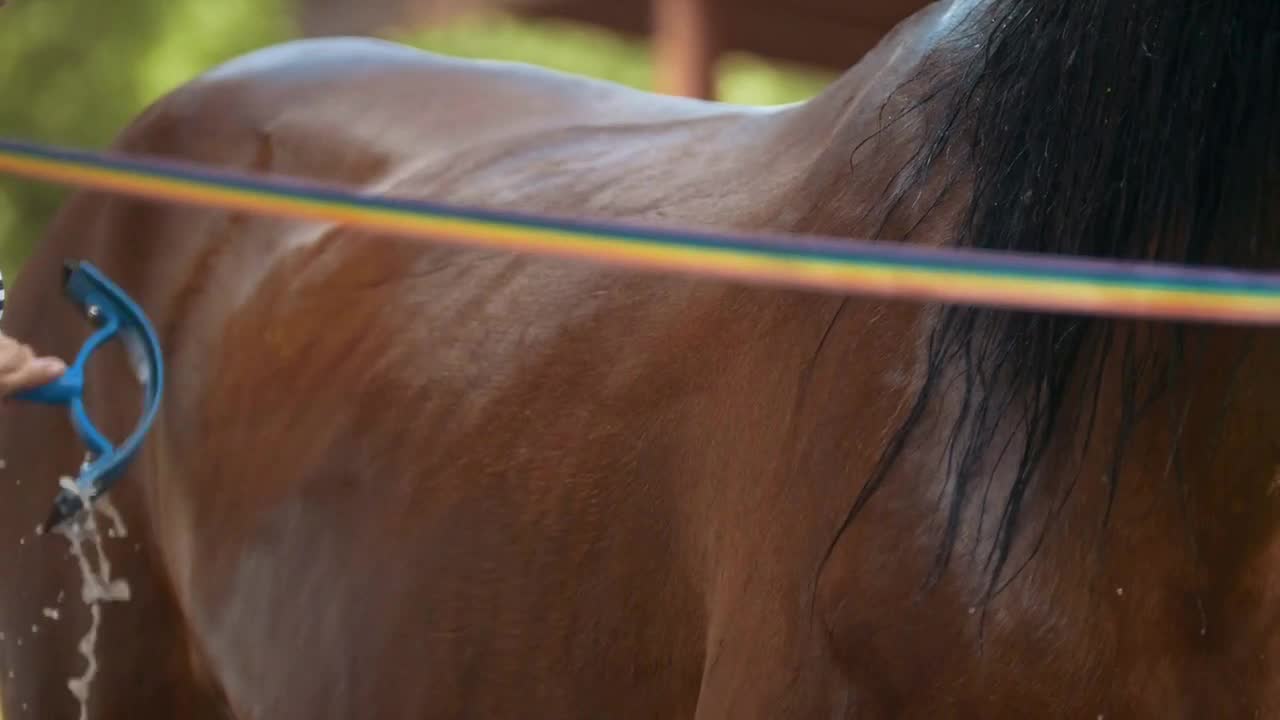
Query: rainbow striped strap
x,y
840,265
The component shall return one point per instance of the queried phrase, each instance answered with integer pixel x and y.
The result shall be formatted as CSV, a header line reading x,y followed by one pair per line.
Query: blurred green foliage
x,y
76,71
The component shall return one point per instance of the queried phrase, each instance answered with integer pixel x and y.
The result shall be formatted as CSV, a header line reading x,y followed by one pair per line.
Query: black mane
x,y
1134,129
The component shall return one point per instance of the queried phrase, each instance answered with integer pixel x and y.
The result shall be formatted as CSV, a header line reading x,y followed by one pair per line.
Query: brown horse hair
x,y
1136,130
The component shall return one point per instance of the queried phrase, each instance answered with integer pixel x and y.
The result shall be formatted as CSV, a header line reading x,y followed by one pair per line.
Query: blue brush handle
x,y
117,316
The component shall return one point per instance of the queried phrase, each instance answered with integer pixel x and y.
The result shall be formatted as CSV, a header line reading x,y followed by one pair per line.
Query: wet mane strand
x,y
1143,129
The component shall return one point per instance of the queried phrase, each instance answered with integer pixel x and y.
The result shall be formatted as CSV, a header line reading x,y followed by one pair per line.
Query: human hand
x,y
21,369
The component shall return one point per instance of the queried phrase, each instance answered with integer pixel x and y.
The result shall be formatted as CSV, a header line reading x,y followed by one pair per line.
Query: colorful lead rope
x,y
972,277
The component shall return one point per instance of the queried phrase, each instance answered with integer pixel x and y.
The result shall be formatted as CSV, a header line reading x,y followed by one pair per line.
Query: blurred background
x,y
75,72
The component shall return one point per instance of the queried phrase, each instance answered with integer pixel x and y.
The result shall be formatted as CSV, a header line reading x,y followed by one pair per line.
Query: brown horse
x,y
392,480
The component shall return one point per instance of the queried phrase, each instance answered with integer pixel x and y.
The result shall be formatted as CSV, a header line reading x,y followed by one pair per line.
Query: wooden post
x,y
686,45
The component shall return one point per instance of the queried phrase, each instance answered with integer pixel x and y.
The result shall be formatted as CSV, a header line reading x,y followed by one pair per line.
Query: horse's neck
x,y
1207,449
1189,507
1192,497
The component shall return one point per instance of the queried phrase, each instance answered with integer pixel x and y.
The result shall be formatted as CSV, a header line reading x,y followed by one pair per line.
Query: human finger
x,y
34,374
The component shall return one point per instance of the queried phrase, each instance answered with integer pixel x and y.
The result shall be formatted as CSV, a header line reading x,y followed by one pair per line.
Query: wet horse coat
x,y
400,481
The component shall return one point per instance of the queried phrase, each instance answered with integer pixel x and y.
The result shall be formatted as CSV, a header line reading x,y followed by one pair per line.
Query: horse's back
x,y
316,99
383,118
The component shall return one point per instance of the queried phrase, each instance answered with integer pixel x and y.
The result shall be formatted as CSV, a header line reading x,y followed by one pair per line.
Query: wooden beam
x,y
828,34
686,45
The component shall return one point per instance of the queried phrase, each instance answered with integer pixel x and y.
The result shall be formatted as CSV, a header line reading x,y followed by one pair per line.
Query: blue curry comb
x,y
115,315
